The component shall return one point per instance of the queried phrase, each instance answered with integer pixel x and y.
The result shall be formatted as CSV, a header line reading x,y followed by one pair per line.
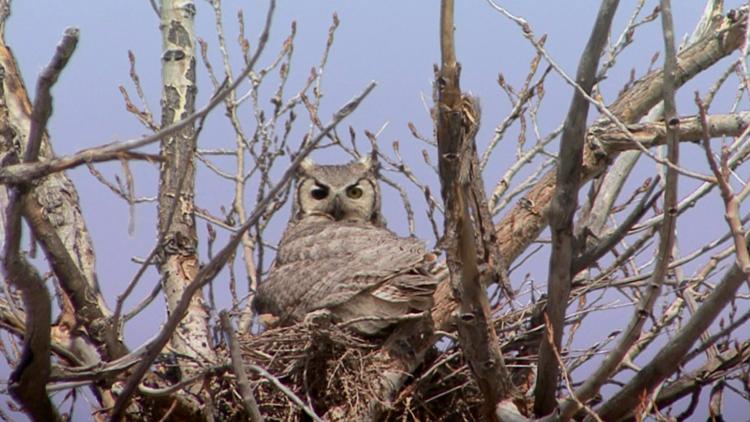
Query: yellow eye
x,y
354,192
319,192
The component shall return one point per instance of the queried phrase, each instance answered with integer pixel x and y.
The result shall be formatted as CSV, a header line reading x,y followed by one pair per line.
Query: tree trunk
x,y
177,234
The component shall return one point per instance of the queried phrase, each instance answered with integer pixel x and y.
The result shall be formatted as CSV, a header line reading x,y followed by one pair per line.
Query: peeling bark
x,y
178,259
29,377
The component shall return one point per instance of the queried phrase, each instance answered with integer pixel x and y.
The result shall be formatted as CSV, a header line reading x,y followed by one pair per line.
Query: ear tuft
x,y
306,165
370,161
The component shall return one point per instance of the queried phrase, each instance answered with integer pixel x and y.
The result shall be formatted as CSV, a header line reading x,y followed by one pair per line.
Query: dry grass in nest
x,y
443,390
333,371
324,367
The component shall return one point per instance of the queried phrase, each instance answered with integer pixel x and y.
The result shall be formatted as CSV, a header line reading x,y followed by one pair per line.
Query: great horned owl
x,y
337,255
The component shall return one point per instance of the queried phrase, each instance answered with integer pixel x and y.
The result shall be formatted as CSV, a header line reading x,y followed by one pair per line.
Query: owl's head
x,y
348,192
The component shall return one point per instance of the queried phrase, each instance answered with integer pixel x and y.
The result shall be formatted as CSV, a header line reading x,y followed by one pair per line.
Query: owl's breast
x,y
348,268
340,240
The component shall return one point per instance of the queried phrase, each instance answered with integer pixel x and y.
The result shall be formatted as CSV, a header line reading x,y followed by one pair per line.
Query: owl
x,y
336,255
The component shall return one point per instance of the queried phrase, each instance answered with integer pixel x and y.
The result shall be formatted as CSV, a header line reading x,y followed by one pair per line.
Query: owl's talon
x,y
268,320
321,318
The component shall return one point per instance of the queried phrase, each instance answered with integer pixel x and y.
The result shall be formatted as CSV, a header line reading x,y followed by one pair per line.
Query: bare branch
x,y
42,108
667,233
29,377
155,7
287,392
731,202
711,371
456,124
668,358
248,398
689,129
22,173
528,218
562,209
604,245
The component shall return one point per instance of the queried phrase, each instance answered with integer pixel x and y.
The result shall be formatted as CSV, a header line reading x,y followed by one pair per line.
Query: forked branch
x,y
563,207
29,378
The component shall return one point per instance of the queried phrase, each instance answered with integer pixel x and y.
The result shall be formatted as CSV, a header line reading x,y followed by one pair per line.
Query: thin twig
x,y
287,392
731,202
526,28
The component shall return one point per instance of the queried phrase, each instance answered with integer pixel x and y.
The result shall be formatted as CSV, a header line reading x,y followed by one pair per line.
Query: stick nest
x,y
338,374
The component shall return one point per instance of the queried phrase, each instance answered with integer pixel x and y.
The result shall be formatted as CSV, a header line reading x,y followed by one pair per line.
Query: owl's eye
x,y
319,192
354,192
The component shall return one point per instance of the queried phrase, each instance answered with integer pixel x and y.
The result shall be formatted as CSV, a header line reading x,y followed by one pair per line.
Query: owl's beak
x,y
337,212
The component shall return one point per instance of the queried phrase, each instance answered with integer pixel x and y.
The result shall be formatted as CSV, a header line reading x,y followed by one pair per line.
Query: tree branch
x,y
666,235
25,172
589,256
456,125
526,221
731,202
708,373
53,213
29,378
562,210
42,108
668,359
690,129
248,398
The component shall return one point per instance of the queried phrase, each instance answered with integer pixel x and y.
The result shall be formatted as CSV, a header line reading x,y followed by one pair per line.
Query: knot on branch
x,y
178,243
467,317
735,18
451,156
596,147
173,55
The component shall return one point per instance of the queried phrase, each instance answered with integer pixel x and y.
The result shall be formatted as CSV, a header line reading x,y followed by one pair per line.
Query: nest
x,y
338,375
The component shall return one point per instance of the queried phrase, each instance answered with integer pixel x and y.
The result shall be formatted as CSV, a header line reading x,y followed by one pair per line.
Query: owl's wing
x,y
291,290
413,289
325,265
